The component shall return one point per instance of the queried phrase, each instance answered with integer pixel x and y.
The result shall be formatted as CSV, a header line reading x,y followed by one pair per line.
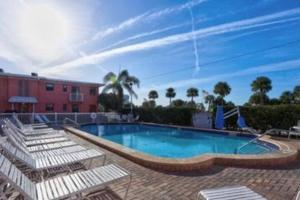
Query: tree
x,y
192,92
178,103
261,85
110,101
170,93
153,95
148,104
255,99
296,94
286,97
222,89
117,84
274,101
209,99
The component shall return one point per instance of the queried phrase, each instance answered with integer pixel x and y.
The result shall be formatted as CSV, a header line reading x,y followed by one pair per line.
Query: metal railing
x,y
58,118
76,97
72,121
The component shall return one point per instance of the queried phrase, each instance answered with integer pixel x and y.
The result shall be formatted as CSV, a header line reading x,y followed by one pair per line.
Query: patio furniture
x,y
18,142
38,118
45,119
243,126
47,162
277,132
61,187
295,133
33,132
229,193
28,126
38,140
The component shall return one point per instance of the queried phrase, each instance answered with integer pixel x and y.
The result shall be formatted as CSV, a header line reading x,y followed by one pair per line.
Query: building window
x,y
65,107
49,86
65,88
49,107
93,91
93,108
75,108
75,90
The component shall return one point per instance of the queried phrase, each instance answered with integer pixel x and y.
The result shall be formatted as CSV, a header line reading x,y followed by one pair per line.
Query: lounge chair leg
x,y
127,189
90,164
104,160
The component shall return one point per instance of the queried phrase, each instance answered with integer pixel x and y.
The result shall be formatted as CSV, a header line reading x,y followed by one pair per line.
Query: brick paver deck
x,y
274,184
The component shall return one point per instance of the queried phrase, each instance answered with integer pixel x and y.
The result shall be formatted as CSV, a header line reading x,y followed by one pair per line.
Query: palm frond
x,y
123,75
134,80
130,90
109,77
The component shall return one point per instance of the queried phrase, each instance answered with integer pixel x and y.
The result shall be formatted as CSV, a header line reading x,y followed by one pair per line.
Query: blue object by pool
x,y
219,121
175,143
241,122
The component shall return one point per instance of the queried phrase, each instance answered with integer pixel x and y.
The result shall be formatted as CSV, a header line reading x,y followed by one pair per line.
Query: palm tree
x,y
153,95
117,83
192,92
261,85
170,94
209,99
222,89
286,97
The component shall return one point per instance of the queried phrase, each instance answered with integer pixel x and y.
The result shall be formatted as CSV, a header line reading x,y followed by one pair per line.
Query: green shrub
x,y
266,117
165,115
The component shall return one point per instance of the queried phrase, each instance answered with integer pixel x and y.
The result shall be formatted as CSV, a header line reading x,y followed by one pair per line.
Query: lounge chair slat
x,y
231,193
49,190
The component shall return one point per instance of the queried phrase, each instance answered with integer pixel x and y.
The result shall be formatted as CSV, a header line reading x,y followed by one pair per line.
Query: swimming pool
x,y
175,143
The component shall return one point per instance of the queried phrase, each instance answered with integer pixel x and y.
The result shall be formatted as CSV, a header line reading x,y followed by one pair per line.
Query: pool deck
x,y
280,183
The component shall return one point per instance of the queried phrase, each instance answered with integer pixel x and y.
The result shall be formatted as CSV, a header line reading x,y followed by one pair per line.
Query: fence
x,y
59,118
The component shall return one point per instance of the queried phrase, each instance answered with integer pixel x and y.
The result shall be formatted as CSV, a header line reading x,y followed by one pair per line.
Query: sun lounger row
x,y
40,154
61,187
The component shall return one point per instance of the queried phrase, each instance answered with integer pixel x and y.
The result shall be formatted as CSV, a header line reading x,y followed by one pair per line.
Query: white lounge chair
x,y
30,131
28,126
38,118
34,135
38,140
229,193
45,118
18,142
62,187
50,162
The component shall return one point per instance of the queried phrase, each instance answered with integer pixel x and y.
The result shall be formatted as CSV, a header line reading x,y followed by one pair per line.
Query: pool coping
x,y
287,153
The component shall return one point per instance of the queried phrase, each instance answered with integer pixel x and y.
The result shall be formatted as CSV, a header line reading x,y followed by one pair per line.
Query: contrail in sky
x,y
194,40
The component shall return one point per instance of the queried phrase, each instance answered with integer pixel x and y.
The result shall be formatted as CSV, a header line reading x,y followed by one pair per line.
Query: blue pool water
x,y
175,143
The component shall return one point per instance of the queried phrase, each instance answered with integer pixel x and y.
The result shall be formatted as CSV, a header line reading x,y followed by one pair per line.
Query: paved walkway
x,y
274,184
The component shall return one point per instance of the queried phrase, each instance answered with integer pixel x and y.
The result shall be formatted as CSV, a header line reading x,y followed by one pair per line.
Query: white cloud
x,y
257,22
145,17
274,67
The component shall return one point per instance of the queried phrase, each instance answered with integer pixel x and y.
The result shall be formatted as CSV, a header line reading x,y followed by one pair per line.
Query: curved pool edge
x,y
287,154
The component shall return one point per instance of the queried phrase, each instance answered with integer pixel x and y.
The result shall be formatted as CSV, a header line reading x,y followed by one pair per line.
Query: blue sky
x,y
85,39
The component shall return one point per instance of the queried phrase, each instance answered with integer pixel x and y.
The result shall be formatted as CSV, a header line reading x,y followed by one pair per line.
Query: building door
x,y
75,108
25,108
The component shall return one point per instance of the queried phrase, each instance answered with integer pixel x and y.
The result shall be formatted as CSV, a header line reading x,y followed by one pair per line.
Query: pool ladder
x,y
251,141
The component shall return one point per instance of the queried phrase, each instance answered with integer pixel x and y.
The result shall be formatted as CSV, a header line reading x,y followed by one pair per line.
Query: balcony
x,y
76,97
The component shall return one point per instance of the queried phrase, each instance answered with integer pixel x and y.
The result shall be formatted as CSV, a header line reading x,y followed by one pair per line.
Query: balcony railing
x,y
76,97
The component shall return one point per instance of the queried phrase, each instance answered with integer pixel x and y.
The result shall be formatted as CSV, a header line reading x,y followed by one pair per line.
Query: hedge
x,y
258,117
266,117
165,115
